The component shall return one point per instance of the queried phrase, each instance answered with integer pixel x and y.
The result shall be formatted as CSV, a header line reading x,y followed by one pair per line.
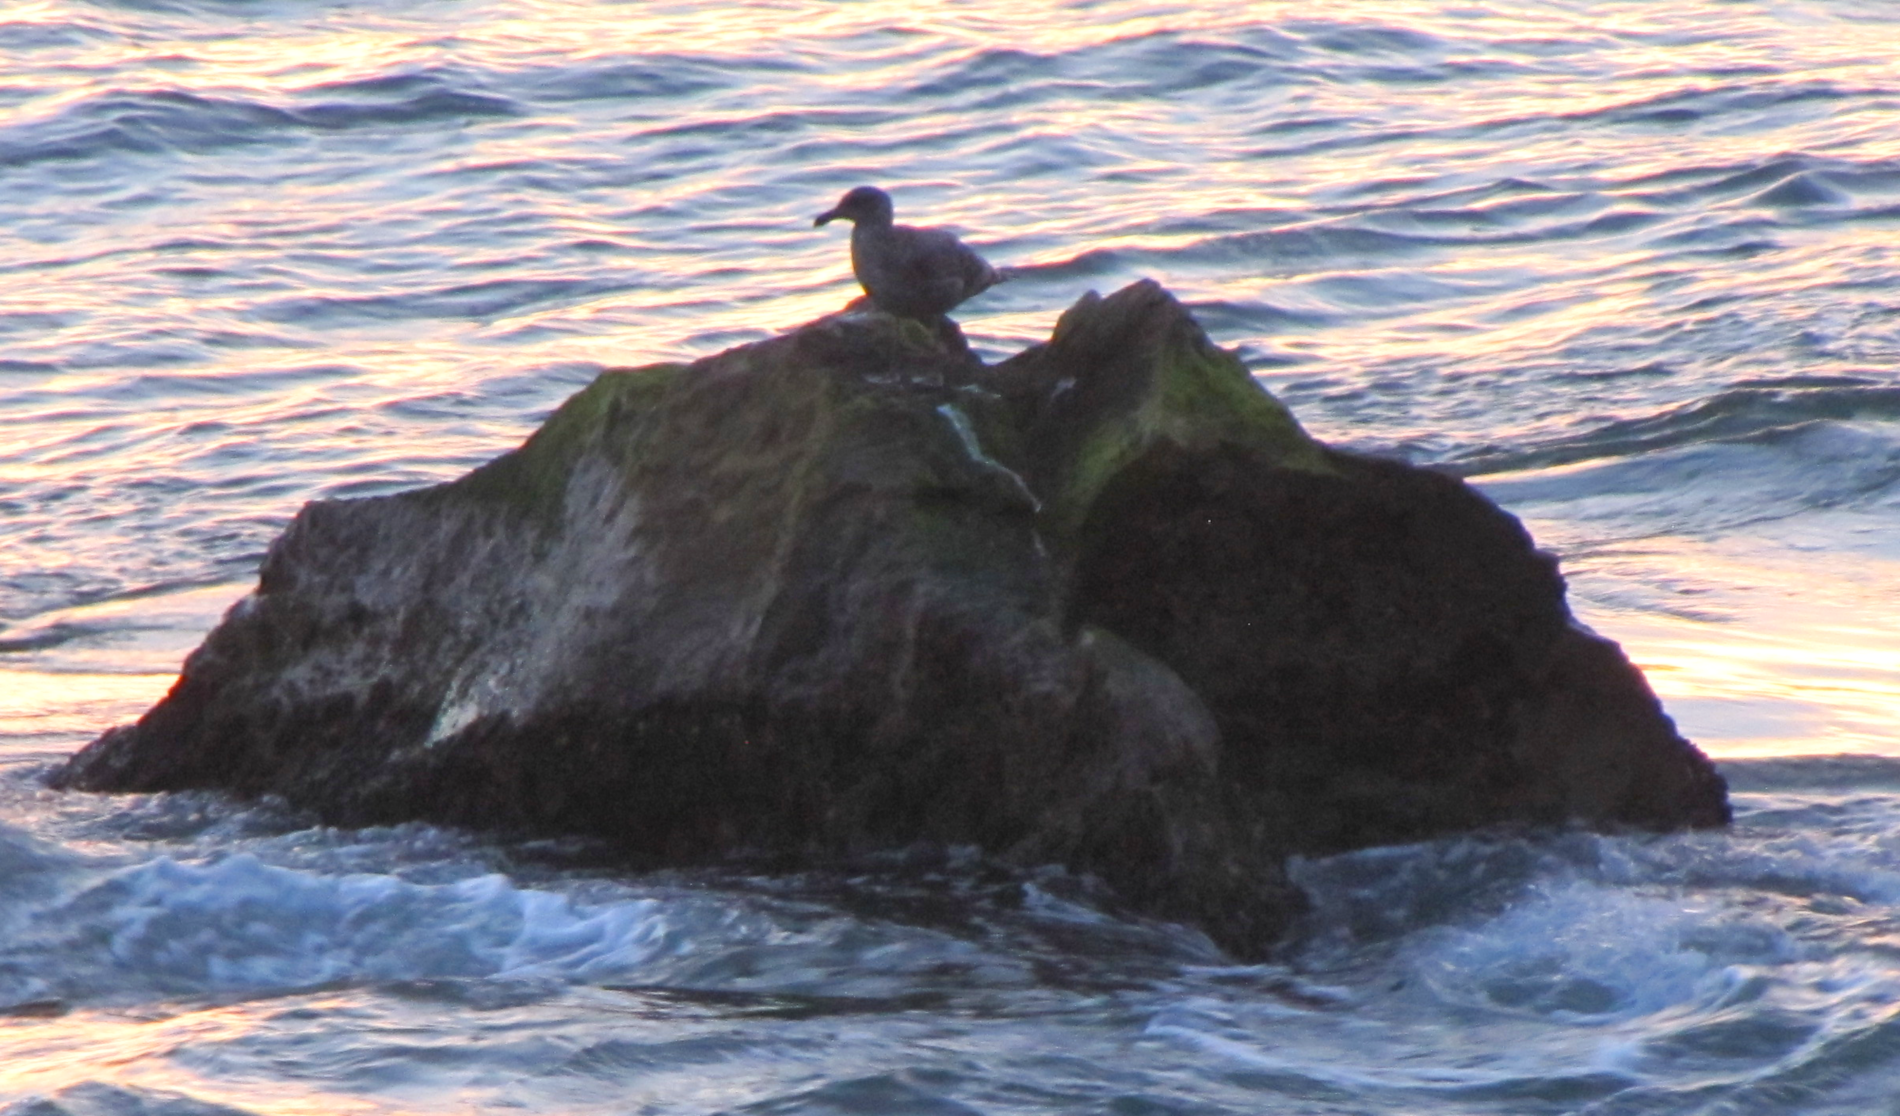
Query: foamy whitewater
x,y
1633,268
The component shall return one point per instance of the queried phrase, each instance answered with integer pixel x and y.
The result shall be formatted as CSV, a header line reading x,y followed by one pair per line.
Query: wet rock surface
x,y
1102,605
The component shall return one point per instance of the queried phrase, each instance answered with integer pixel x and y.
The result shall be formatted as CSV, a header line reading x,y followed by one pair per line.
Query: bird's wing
x,y
943,257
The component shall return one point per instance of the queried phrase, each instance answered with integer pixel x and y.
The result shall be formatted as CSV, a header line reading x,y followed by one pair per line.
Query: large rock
x,y
1104,605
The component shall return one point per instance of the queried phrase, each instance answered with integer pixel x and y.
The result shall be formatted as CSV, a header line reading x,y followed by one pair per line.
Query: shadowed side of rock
x,y
1104,605
1386,653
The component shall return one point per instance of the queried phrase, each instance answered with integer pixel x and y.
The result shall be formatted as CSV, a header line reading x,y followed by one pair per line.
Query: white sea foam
x,y
1581,950
240,923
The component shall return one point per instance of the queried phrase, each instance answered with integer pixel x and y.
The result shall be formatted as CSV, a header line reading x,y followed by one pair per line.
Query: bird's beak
x,y
824,218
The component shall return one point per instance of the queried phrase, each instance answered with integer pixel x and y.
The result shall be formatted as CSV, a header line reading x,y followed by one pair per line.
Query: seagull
x,y
910,272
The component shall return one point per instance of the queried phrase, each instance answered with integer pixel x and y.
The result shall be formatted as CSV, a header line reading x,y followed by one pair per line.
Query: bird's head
x,y
866,205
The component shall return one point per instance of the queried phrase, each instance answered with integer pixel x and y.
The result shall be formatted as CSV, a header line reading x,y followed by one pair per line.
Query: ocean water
x,y
1633,268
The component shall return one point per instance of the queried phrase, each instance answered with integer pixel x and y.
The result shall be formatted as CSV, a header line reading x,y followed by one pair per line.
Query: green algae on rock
x,y
1113,382
1103,605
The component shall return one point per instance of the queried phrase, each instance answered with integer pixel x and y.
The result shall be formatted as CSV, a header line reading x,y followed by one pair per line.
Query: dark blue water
x,y
1632,267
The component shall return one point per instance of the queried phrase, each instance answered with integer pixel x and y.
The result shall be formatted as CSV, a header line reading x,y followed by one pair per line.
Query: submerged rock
x,y
1102,605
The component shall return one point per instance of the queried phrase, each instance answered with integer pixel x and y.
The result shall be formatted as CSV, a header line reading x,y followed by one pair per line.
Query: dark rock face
x,y
1103,605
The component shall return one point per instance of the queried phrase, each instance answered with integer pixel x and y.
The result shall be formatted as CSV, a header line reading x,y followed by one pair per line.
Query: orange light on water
x,y
59,703
1763,657
46,1055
